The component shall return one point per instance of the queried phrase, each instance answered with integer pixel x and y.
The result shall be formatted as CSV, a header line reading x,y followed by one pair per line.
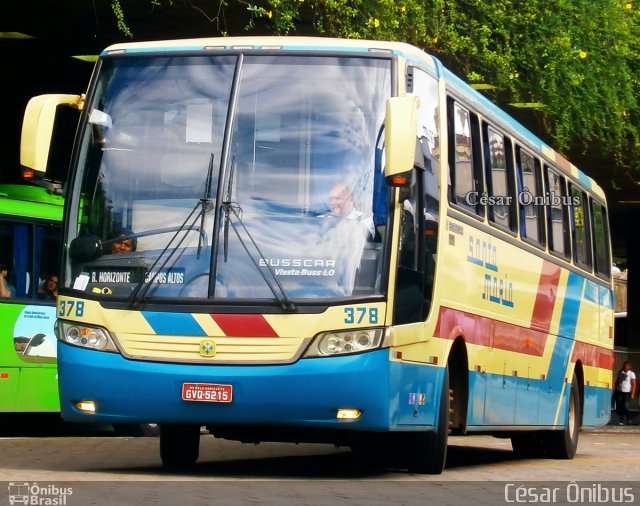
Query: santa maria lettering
x,y
496,285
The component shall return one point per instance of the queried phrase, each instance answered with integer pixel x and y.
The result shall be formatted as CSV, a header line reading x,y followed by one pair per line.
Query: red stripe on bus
x,y
244,325
490,333
563,162
546,297
593,355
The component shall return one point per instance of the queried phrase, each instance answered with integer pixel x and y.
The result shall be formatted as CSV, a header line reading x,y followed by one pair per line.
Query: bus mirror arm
x,y
418,163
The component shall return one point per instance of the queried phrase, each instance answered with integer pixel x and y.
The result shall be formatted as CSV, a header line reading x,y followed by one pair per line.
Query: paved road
x,y
100,469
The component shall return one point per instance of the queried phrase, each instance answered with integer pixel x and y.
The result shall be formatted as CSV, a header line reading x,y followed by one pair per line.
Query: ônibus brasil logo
x,y
24,492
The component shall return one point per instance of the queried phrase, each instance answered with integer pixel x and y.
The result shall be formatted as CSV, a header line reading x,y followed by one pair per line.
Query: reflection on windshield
x,y
305,128
302,146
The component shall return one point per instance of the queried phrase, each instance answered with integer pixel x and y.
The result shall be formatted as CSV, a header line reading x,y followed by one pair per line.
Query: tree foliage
x,y
576,62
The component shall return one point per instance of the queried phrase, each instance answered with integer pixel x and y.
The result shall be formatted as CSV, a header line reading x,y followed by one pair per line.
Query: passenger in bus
x,y
123,243
6,289
49,289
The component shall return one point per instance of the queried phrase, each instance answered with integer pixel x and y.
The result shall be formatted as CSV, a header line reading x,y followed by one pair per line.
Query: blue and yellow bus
x,y
299,239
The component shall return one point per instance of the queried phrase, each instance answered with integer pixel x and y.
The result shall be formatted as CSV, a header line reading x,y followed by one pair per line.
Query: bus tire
x,y
428,450
179,445
563,444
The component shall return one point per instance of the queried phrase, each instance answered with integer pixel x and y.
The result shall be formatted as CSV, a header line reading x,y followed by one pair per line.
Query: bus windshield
x,y
231,177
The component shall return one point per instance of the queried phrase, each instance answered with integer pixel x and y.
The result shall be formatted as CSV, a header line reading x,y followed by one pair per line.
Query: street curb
x,y
613,429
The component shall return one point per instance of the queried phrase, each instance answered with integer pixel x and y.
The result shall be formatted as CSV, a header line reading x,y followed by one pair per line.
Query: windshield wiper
x,y
199,210
226,203
233,208
205,201
278,291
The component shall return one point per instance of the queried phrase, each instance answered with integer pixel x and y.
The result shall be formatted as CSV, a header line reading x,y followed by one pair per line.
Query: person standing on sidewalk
x,y
625,388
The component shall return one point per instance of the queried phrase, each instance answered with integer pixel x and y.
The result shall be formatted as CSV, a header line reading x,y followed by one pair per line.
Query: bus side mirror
x,y
85,248
400,139
48,127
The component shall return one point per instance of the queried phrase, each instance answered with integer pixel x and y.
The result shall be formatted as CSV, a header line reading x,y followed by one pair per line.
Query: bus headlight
x,y
329,344
95,338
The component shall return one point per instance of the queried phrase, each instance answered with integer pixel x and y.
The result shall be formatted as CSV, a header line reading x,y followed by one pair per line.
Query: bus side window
x,y
410,279
47,261
30,254
600,239
464,161
498,157
420,209
579,228
425,86
530,189
16,257
557,216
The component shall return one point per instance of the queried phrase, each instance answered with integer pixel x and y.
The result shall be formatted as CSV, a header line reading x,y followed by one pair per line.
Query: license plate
x,y
206,392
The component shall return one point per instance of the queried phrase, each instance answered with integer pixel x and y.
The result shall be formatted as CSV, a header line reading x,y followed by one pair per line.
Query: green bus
x,y
30,221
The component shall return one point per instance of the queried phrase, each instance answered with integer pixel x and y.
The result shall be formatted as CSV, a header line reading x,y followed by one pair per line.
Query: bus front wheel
x,y
179,445
428,450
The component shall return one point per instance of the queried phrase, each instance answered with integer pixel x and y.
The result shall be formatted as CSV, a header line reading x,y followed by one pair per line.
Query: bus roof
x,y
30,202
273,43
407,51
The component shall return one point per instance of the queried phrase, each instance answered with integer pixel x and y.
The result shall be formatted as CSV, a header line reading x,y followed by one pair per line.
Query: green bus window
x,y
15,260
47,258
29,256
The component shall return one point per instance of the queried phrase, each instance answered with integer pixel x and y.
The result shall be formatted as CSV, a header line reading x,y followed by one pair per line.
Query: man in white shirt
x,y
625,388
341,203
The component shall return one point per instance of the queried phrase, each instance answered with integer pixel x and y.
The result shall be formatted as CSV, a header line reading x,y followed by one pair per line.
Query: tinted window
x,y
580,232
601,239
464,181
557,214
531,217
29,256
498,179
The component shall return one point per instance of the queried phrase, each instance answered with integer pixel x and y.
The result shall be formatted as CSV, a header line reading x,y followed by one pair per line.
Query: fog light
x,y
86,406
348,414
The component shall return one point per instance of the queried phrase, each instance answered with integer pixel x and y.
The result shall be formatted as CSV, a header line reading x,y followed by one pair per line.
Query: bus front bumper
x,y
307,393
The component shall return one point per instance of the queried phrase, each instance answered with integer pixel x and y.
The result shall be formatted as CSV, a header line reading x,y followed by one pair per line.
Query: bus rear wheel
x,y
563,444
428,450
179,445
